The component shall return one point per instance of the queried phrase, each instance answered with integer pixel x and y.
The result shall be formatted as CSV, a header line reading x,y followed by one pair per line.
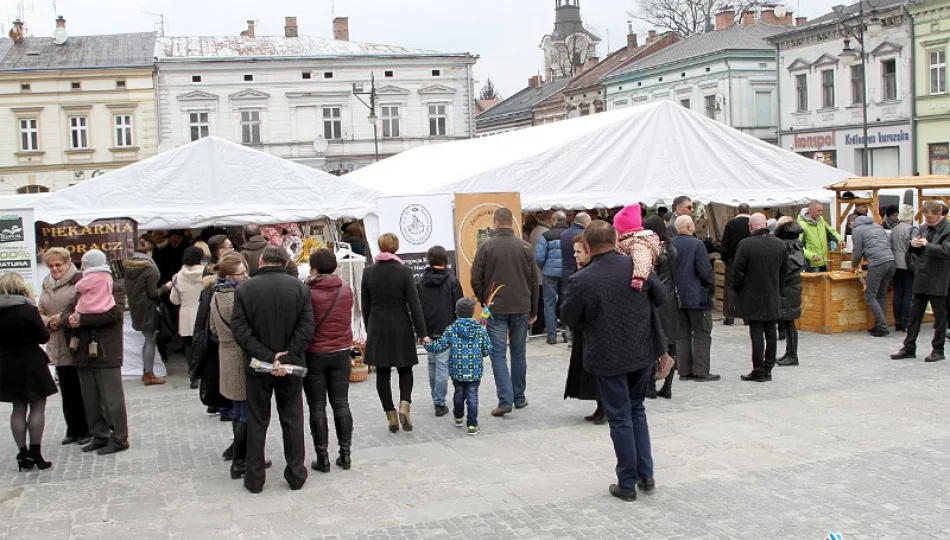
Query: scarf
x,y
50,284
226,284
388,257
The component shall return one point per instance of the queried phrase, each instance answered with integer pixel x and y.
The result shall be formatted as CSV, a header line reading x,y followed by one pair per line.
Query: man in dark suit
x,y
273,322
622,341
735,231
760,267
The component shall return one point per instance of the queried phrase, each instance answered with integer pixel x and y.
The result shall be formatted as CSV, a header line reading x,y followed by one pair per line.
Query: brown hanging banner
x,y
474,214
114,237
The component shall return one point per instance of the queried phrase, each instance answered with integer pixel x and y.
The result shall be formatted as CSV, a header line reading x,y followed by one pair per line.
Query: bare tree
x,y
687,17
568,56
489,91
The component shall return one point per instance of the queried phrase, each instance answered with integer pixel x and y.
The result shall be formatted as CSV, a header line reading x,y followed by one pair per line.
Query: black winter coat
x,y
790,233
622,333
24,376
694,273
759,271
391,311
669,312
141,285
932,262
438,293
568,260
735,231
273,313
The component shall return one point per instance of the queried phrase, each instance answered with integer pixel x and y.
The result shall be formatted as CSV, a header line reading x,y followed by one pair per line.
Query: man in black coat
x,y
623,339
735,231
273,322
931,263
760,268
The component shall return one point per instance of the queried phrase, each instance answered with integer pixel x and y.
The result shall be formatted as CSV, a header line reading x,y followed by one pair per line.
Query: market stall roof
x,y
209,182
866,183
20,201
649,154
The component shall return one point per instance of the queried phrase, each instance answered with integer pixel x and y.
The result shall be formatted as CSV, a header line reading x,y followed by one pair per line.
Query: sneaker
x,y
521,405
473,430
552,341
459,422
212,411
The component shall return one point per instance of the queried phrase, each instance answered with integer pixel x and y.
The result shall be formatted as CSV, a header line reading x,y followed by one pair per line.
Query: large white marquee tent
x,y
648,154
209,182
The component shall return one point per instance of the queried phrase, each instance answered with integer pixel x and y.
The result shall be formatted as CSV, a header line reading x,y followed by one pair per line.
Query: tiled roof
x,y
115,50
737,37
522,102
172,48
614,61
482,105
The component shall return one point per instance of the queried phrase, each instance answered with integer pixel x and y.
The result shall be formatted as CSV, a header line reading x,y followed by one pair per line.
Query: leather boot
x,y
667,391
320,429
392,417
37,454
791,351
651,390
149,379
239,463
404,418
344,434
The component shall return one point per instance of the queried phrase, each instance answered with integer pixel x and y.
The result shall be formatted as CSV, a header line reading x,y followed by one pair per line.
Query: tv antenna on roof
x,y
161,22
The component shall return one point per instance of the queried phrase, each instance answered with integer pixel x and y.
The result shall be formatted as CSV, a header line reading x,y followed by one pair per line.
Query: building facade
x,y
823,99
72,108
309,99
932,105
727,74
517,112
571,45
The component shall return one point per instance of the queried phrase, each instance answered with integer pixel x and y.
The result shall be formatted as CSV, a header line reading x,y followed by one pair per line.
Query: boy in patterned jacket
x,y
468,343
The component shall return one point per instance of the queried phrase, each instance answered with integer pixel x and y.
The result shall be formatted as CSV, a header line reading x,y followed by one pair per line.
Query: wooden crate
x,y
834,302
719,269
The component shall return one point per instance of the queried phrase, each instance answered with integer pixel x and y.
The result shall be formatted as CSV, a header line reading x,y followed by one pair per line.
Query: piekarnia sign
x,y
115,237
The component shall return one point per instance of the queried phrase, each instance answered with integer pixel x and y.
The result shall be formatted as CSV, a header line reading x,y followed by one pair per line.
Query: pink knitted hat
x,y
628,219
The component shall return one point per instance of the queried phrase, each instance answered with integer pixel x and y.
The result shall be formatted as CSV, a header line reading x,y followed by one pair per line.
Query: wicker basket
x,y
359,373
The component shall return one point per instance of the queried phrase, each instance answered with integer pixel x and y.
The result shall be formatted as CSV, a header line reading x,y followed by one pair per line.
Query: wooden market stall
x,y
833,301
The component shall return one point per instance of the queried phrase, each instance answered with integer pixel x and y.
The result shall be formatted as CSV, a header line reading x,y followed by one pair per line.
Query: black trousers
x,y
288,392
764,336
917,309
384,386
328,374
74,410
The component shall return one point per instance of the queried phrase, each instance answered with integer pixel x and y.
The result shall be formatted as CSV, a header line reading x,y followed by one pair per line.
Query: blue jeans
x,y
439,376
553,292
466,395
510,387
622,398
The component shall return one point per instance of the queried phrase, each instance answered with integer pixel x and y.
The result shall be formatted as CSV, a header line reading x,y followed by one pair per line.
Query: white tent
x,y
647,154
20,201
209,182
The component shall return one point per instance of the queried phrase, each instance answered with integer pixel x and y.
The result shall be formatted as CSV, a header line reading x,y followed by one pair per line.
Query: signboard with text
x,y
474,215
18,246
420,223
114,237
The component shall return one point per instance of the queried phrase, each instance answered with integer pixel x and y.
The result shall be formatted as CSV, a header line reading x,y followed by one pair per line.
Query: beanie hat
x,y
628,219
465,308
94,259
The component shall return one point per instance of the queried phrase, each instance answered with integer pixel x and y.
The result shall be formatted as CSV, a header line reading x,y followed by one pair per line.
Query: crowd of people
x,y
633,295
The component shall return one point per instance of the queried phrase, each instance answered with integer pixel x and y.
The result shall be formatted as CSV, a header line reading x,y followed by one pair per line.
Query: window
x,y
388,74
939,158
32,189
390,121
710,102
763,109
78,132
123,131
251,127
75,85
436,72
938,72
306,75
196,78
801,92
857,85
120,84
29,135
621,103
828,89
199,124
332,123
437,120
889,80
25,87
885,161
248,78
685,103
327,74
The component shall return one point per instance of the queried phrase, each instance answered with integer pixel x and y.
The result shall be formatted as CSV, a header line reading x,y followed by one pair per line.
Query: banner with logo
x,y
474,215
420,222
114,237
18,246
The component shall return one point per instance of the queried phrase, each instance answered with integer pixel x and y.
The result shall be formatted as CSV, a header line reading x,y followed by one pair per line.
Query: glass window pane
x,y
432,127
395,128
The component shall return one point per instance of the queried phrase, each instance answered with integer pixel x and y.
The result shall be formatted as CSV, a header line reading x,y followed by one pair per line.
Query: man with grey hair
x,y
568,260
549,258
694,282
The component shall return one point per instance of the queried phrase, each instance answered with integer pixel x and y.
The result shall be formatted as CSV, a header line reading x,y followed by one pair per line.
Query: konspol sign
x,y
814,142
115,237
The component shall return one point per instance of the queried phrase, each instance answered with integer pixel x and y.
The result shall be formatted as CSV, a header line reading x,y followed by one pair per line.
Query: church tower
x,y
568,47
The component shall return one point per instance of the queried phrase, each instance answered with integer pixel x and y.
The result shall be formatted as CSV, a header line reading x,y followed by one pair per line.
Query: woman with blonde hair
x,y
25,380
59,289
393,316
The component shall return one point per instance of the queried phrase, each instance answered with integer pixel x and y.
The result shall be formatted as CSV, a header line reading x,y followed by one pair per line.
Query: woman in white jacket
x,y
186,292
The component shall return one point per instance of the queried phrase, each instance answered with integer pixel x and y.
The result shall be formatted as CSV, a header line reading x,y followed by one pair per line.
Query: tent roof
x,y
209,182
864,183
647,154
20,201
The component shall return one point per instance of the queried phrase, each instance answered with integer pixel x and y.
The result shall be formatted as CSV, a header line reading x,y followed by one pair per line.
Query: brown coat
x,y
233,361
109,326
54,299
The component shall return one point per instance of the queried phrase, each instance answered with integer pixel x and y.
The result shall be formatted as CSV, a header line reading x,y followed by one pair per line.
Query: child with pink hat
x,y
643,246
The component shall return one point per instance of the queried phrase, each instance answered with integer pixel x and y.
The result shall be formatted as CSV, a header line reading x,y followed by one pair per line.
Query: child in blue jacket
x,y
468,343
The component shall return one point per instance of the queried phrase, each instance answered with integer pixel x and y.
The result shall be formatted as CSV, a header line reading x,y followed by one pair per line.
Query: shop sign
x,y
816,141
17,248
115,237
877,138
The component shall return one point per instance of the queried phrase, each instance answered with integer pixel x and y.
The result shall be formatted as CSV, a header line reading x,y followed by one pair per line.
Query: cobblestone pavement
x,y
850,442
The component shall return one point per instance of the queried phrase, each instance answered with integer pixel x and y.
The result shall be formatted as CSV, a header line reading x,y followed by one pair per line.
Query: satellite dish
x,y
60,36
320,145
780,10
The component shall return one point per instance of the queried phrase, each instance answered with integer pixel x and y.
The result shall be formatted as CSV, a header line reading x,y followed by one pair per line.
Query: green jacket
x,y
815,238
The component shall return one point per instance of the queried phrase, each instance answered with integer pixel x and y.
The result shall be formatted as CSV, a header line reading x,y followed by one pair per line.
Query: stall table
x,y
833,302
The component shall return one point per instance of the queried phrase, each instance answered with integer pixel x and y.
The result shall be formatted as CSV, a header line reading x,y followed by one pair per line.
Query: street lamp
x,y
858,30
372,118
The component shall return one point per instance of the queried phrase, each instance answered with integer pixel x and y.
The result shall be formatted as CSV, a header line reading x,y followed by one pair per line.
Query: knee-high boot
x,y
239,463
320,430
667,390
343,422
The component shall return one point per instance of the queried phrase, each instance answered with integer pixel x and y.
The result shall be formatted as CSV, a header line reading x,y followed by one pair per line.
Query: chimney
x,y
534,82
748,18
651,36
17,32
800,21
631,36
341,28
725,18
249,33
290,29
592,62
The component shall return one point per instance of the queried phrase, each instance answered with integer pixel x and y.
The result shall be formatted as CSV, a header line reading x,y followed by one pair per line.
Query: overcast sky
x,y
504,33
